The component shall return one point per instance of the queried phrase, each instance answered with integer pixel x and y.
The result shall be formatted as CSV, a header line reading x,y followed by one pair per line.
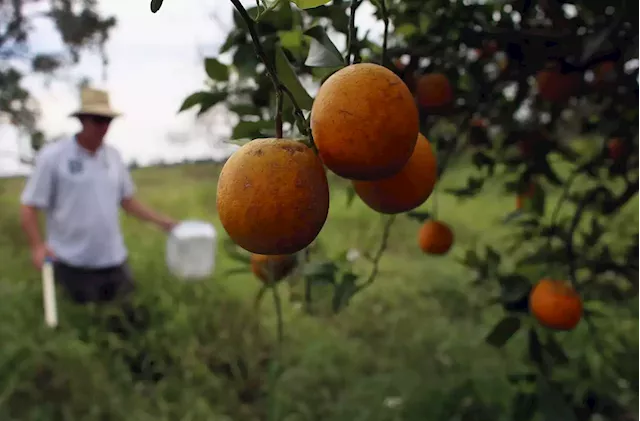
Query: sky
x,y
155,61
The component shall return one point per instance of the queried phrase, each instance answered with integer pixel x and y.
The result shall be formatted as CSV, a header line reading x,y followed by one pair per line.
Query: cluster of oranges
x,y
273,194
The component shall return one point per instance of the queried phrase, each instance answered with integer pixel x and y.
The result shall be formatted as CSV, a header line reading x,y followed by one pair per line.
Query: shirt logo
x,y
75,166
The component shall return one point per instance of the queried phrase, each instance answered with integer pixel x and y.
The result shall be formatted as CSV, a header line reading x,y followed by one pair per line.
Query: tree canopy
x,y
81,28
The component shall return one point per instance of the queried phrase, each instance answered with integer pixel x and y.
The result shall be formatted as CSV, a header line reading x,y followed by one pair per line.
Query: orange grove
x,y
270,269
434,90
273,196
364,122
555,304
435,237
407,189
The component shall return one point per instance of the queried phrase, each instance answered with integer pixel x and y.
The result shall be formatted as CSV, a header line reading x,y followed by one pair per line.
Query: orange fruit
x,y
407,189
364,122
555,304
271,269
435,237
527,194
604,73
434,91
616,148
273,196
556,86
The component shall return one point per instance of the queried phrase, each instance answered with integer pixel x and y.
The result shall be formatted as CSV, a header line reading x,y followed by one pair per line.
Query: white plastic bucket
x,y
191,250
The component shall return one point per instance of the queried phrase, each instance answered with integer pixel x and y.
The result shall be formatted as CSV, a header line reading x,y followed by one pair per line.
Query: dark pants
x,y
84,285
112,286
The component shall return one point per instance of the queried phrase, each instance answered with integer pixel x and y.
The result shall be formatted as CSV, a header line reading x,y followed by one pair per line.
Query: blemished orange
x,y
435,237
555,304
556,86
273,196
364,122
407,189
271,269
434,90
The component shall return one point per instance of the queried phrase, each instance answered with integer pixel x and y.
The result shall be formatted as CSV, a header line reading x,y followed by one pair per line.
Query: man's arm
x,y
37,194
135,208
30,226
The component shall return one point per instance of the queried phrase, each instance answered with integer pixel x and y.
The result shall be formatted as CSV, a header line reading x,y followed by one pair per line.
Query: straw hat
x,y
95,102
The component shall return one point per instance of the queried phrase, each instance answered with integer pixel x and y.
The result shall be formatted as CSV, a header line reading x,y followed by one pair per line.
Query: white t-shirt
x,y
81,194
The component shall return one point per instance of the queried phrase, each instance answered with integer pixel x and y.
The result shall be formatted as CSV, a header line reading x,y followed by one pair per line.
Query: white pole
x,y
49,294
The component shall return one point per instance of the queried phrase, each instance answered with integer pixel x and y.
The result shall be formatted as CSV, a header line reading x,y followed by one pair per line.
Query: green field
x,y
408,348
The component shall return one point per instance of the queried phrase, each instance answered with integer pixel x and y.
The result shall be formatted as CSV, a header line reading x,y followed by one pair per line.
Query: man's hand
x,y
133,207
39,253
168,225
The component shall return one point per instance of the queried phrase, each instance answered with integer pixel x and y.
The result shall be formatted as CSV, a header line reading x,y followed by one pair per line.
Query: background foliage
x,y
432,337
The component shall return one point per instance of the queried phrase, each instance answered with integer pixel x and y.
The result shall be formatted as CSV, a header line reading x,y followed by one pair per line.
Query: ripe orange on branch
x,y
555,85
271,269
434,91
555,304
435,237
273,196
405,190
364,122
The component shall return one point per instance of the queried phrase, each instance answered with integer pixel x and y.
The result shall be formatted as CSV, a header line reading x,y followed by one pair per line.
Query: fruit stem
x,y
279,104
270,69
350,56
384,242
385,37
277,304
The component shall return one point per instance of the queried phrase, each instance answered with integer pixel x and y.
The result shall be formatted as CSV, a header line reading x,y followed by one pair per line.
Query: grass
x,y
408,348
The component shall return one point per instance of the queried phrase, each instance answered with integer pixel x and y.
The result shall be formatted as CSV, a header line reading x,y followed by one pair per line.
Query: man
x,y
80,183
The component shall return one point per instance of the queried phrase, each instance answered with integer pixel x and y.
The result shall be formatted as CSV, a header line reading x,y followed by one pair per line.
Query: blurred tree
x,y
80,27
516,83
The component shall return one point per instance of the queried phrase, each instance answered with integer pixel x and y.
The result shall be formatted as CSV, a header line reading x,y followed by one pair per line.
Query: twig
x,y
270,69
385,36
352,33
279,104
277,303
376,258
565,193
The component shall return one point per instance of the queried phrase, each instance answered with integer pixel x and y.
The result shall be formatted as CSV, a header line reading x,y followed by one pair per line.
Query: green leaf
x,y
419,216
351,194
551,404
535,348
205,99
234,252
245,60
216,70
555,351
156,5
524,406
289,78
236,271
322,52
321,271
503,331
514,292
309,4
344,291
252,129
